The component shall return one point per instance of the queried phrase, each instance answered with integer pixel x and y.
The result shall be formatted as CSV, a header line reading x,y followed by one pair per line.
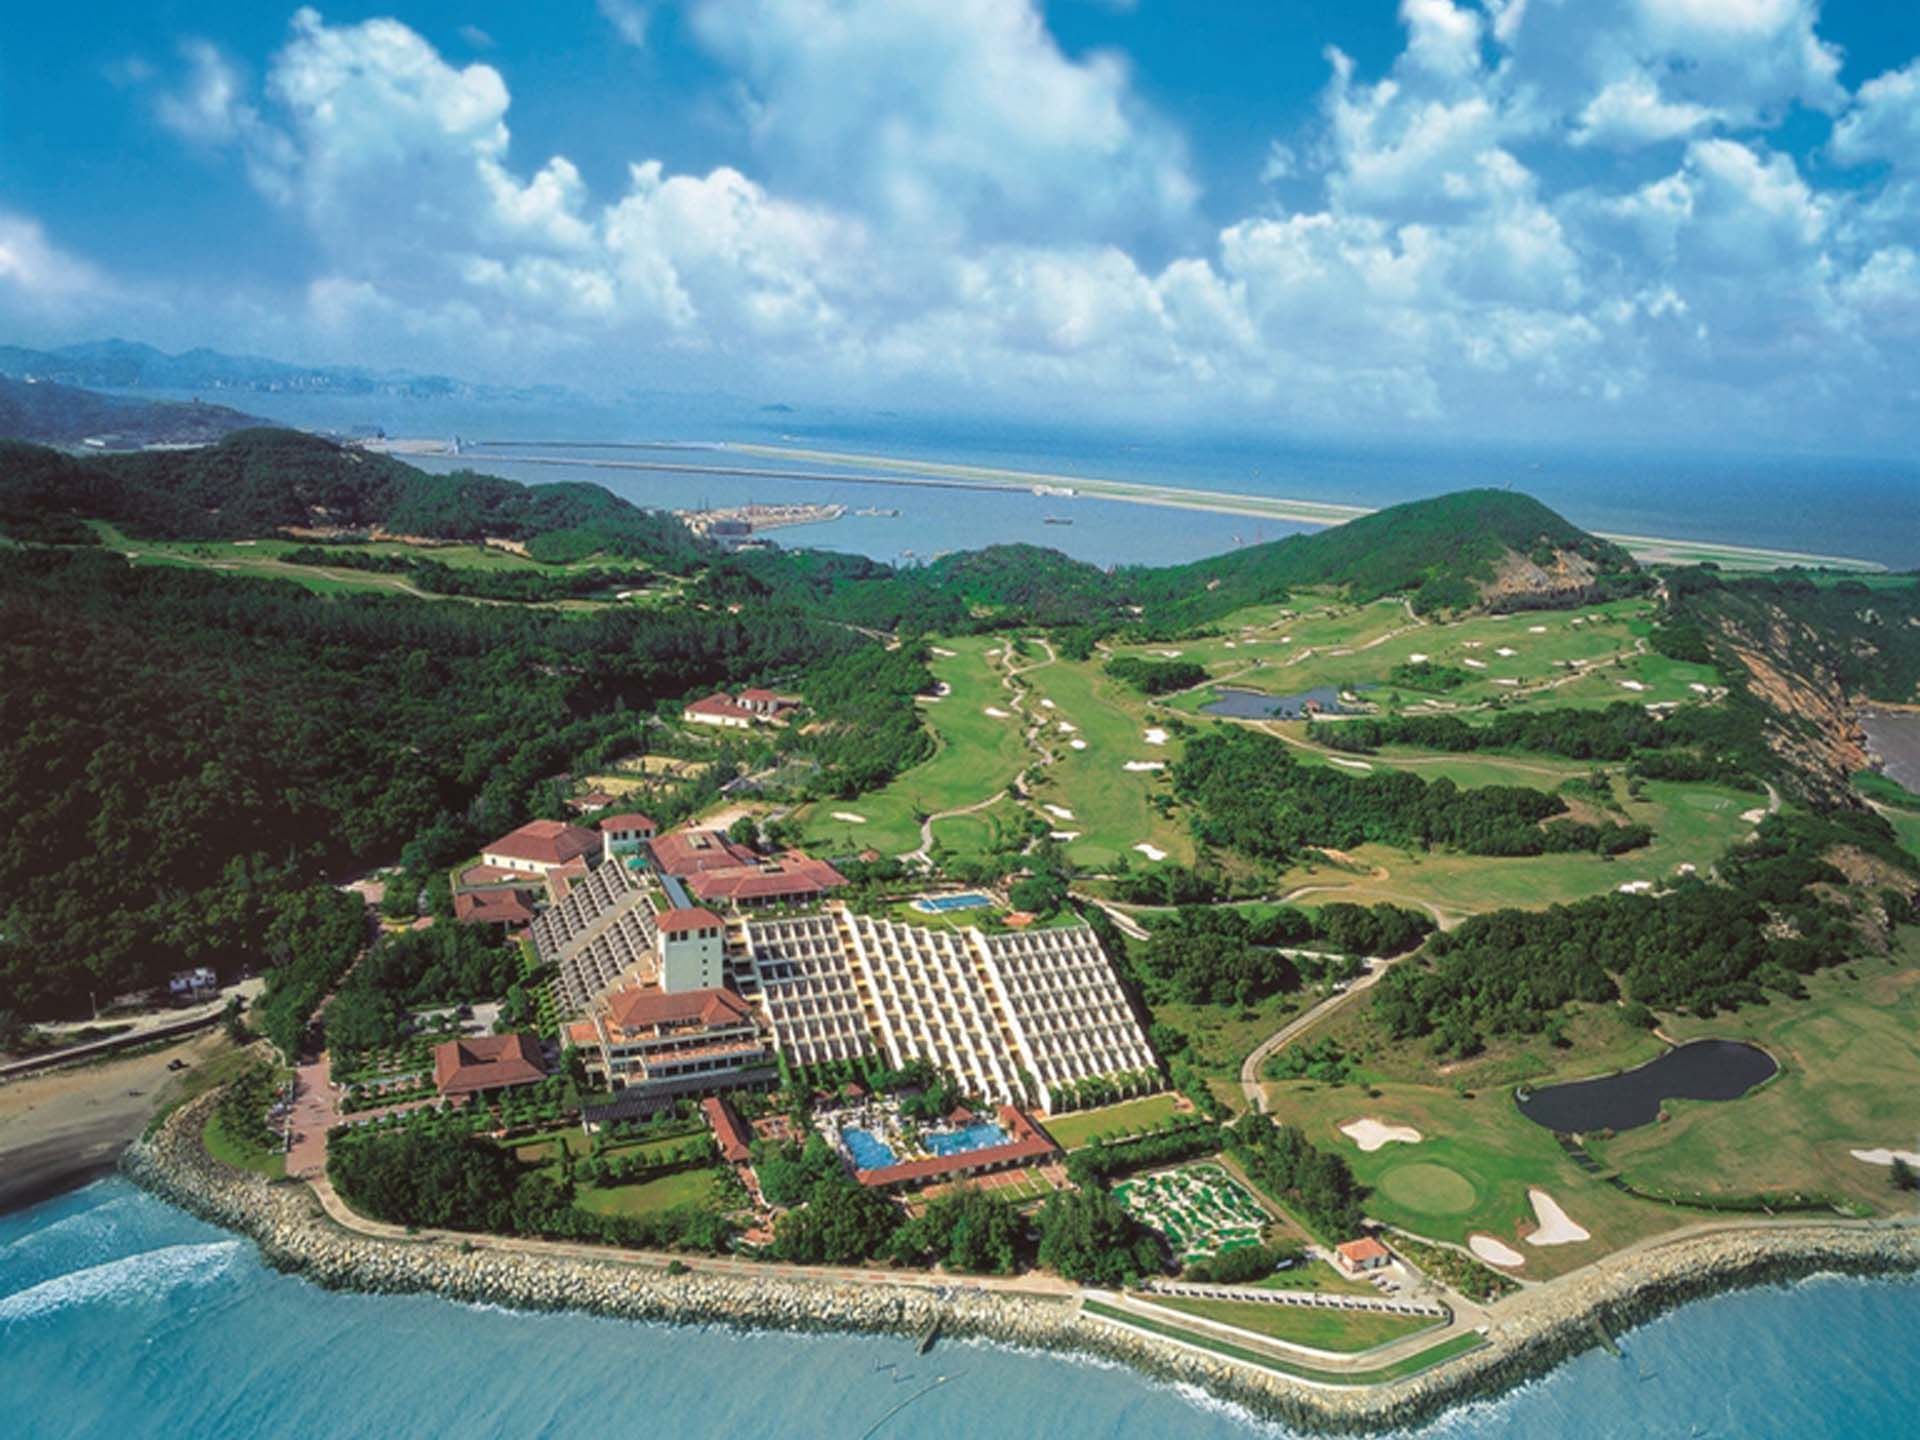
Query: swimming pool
x,y
869,1151
975,1137
941,904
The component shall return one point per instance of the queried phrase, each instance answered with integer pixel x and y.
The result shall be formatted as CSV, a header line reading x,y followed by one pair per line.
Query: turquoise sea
x,y
121,1317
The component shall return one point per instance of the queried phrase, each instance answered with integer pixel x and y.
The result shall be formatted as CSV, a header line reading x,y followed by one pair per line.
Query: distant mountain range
x,y
49,413
131,365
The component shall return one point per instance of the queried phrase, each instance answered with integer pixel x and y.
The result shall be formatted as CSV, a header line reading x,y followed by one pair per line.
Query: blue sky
x,y
1646,221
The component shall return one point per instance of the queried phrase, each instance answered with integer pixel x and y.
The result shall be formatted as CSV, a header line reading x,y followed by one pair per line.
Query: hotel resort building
x,y
665,992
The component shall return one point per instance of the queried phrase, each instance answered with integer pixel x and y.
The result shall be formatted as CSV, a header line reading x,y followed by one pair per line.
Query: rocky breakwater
x,y
1543,1327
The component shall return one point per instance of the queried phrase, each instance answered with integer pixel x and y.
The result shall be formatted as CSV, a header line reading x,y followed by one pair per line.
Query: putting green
x,y
1432,1189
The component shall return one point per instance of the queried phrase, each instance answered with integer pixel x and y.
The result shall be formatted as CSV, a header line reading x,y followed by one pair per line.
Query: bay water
x,y
122,1317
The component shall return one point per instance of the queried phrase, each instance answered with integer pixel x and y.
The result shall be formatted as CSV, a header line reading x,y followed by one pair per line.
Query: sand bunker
x,y
1495,1252
1059,812
1348,764
1046,704
1144,765
1417,658
1156,736
1474,664
849,817
1065,727
1536,629
1506,652
1698,688
1063,834
1169,654
1077,744
943,654
1887,1157
1631,685
1152,852
1506,682
1370,1134
1232,646
1555,1226
1753,817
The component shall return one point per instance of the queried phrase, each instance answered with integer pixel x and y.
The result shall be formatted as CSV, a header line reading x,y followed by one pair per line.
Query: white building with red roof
x,y
719,709
539,846
692,1043
625,833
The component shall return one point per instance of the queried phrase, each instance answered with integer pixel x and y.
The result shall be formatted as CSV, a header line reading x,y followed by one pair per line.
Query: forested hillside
x,y
50,414
180,751
259,481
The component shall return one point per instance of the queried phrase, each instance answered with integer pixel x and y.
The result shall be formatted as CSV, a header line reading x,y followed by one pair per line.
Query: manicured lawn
x,y
241,1154
1692,825
1351,648
687,1187
1129,1117
1344,1331
1850,1072
1399,1370
978,754
1470,1171
1111,805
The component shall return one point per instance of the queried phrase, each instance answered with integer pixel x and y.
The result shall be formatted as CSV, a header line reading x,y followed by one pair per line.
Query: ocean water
x,y
1863,508
122,1317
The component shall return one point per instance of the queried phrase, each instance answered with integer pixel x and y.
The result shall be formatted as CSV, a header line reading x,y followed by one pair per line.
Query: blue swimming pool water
x,y
974,1137
941,904
869,1152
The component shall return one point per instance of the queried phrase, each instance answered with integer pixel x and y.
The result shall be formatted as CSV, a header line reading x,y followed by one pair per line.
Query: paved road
x,y
1250,1068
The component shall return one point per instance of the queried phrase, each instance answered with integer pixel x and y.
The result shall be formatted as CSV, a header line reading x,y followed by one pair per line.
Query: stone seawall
x,y
296,1236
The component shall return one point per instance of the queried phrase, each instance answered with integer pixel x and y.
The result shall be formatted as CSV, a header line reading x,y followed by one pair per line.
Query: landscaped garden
x,y
1199,1209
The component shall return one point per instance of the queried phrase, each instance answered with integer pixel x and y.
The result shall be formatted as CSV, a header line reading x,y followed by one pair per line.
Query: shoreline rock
x,y
296,1237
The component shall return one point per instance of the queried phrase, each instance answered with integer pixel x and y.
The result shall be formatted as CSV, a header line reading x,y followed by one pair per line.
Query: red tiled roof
x,y
1028,1143
632,820
638,1009
719,705
688,852
727,1129
765,697
492,907
582,1035
1364,1249
545,842
486,1062
676,922
792,874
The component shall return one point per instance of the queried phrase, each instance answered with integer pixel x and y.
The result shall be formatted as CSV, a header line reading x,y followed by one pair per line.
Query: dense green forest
x,y
180,751
1251,794
1703,946
1218,955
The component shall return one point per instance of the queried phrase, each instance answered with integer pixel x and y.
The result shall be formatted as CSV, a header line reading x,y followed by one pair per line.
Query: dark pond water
x,y
1703,1070
1256,705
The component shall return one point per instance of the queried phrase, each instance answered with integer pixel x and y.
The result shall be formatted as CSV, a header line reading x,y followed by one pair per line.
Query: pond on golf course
x,y
1702,1070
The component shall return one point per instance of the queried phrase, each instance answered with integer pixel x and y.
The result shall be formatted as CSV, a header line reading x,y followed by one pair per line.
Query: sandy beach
x,y
61,1129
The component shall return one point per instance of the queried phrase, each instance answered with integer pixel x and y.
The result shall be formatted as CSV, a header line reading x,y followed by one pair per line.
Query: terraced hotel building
x,y
1011,1016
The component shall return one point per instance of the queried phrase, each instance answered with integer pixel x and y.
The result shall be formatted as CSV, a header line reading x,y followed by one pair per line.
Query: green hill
x,y
259,481
1488,548
1473,547
49,414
